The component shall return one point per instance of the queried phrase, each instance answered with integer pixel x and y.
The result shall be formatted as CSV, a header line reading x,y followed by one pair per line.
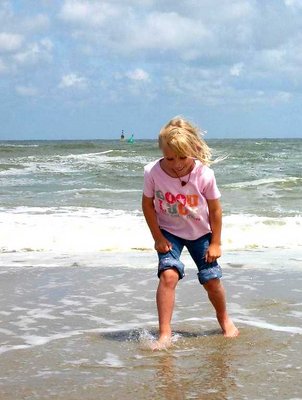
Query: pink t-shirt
x,y
181,210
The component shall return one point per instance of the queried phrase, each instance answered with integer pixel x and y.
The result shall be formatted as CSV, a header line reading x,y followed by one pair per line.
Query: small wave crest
x,y
263,182
78,230
20,146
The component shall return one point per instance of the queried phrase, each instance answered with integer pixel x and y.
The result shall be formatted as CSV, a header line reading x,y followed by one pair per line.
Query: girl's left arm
x,y
215,219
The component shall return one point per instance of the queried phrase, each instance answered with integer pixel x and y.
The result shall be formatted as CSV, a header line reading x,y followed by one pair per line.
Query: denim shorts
x,y
197,249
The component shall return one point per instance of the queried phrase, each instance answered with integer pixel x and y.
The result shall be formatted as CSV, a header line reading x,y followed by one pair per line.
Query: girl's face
x,y
175,164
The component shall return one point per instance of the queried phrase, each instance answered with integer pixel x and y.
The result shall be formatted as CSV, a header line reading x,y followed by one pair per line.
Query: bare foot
x,y
163,343
229,329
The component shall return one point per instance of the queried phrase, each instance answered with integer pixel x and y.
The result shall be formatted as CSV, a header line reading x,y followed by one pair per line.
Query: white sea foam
x,y
253,232
66,164
257,323
18,145
261,182
72,230
97,158
85,230
35,167
267,325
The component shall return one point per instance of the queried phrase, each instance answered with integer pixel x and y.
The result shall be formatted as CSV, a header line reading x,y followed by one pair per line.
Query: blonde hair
x,y
185,140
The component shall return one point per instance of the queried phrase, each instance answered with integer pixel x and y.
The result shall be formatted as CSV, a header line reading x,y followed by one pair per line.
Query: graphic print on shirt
x,y
178,205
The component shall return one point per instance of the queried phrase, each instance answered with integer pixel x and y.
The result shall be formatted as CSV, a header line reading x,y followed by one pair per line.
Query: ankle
x,y
165,333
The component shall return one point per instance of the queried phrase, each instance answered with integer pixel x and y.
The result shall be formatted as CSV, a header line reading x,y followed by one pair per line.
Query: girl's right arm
x,y
161,244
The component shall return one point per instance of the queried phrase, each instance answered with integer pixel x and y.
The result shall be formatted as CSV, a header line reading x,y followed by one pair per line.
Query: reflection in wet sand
x,y
191,372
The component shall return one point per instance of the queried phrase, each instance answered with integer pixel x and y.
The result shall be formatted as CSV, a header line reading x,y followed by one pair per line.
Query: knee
x,y
169,278
213,286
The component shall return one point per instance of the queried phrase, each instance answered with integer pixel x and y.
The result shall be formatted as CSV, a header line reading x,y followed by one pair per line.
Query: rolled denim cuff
x,y
169,263
206,274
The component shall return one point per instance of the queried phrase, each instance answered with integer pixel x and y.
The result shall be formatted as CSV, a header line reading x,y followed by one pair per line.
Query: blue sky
x,y
79,69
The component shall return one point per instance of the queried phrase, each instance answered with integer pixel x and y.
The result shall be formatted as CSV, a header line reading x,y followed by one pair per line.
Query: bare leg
x,y
165,298
216,295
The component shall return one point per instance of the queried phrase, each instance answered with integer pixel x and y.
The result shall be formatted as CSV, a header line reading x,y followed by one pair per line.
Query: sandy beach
x,y
84,333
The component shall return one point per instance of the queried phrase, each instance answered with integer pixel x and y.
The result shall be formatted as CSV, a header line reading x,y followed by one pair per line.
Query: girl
x,y
182,208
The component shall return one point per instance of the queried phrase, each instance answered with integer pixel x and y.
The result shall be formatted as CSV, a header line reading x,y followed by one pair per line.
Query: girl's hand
x,y
213,252
162,245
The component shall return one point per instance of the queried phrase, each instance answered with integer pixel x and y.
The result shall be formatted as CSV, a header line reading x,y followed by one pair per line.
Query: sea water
x,y
66,202
78,277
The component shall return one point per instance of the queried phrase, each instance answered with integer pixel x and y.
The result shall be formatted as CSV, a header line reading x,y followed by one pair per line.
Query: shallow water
x,y
74,333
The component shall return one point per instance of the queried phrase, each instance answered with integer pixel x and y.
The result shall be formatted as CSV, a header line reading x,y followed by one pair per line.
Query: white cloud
x,y
283,97
36,23
72,80
10,42
270,97
35,52
138,75
293,3
123,28
92,13
236,69
27,91
46,44
273,57
280,65
163,31
238,9
5,10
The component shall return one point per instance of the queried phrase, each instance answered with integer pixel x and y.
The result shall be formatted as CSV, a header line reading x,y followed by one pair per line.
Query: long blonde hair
x,y
185,140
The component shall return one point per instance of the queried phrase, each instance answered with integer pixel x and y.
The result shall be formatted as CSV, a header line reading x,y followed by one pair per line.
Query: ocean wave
x,y
31,169
262,182
65,145
85,155
7,169
243,232
67,164
13,146
76,229
109,157
93,191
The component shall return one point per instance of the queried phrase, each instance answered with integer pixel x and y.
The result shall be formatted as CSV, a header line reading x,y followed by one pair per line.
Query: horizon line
x,y
154,139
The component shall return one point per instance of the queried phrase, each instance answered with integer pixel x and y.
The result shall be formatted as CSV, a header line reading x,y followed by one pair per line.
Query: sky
x,y
79,69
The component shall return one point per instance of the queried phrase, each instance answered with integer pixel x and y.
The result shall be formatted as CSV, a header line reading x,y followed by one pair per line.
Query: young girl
x,y
182,208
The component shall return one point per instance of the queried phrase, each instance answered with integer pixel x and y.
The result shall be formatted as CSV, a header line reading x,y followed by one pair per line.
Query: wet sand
x,y
82,333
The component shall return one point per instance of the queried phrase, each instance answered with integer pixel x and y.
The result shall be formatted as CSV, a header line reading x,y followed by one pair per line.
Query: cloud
x,y
121,28
27,91
138,75
167,31
10,42
35,52
282,97
295,4
36,23
72,80
236,69
92,13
